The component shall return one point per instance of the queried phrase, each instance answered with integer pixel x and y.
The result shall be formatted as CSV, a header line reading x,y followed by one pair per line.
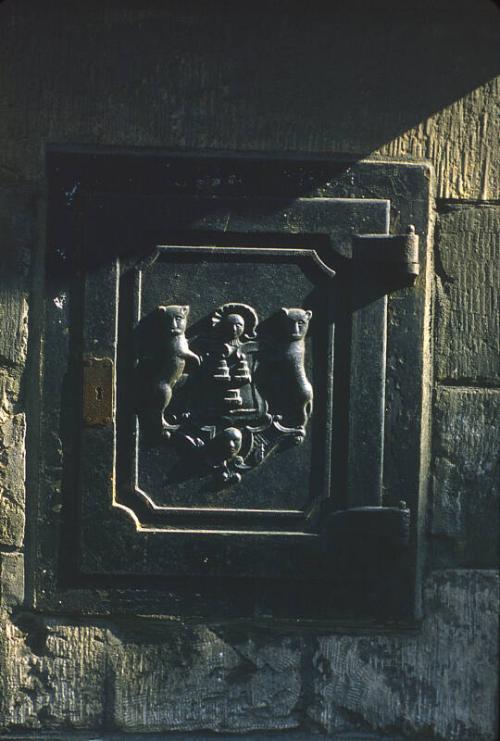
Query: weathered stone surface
x,y
17,221
12,466
468,303
461,141
11,579
466,476
286,736
440,683
12,461
10,384
54,675
243,80
198,680
150,676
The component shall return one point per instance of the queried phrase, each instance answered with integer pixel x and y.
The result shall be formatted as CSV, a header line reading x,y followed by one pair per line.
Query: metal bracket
x,y
98,391
396,253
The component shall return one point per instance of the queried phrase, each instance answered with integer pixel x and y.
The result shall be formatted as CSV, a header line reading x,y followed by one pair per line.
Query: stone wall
x,y
380,79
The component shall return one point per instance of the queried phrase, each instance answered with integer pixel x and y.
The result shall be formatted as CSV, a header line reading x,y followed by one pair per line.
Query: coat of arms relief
x,y
232,394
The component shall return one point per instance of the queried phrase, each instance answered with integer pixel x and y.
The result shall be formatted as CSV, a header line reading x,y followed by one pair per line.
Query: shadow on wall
x,y
348,76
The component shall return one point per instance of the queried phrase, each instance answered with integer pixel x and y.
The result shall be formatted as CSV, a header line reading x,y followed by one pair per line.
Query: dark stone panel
x,y
181,74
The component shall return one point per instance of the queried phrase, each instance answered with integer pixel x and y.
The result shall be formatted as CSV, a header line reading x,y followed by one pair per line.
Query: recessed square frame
x,y
89,189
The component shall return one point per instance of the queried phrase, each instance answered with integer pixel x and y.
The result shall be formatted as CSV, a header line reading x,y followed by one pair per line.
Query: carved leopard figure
x,y
282,376
158,373
293,372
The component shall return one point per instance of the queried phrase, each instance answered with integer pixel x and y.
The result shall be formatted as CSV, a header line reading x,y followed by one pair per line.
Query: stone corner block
x,y
466,477
11,580
12,478
467,296
439,682
18,215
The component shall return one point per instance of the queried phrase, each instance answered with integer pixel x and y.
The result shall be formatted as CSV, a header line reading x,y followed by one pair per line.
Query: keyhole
x,y
99,393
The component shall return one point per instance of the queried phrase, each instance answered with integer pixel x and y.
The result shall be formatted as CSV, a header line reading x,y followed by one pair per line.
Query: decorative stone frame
x,y
360,561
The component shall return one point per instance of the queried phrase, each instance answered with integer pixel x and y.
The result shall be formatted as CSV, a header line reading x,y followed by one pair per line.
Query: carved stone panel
x,y
215,413
221,344
234,390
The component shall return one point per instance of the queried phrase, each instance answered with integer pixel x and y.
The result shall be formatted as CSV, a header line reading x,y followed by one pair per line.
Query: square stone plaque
x,y
233,401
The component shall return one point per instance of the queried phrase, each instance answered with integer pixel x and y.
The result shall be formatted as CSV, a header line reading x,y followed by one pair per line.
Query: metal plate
x,y
98,391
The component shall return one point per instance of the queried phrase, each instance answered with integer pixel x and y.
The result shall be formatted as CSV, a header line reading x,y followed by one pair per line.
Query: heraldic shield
x,y
228,397
221,350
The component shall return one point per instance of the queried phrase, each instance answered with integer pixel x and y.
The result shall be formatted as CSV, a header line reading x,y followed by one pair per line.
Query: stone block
x,y
53,674
439,683
17,228
150,676
192,678
12,474
10,384
11,580
467,296
466,477
461,140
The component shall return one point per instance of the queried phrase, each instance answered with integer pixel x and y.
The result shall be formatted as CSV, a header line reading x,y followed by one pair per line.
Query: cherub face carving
x,y
233,440
232,326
